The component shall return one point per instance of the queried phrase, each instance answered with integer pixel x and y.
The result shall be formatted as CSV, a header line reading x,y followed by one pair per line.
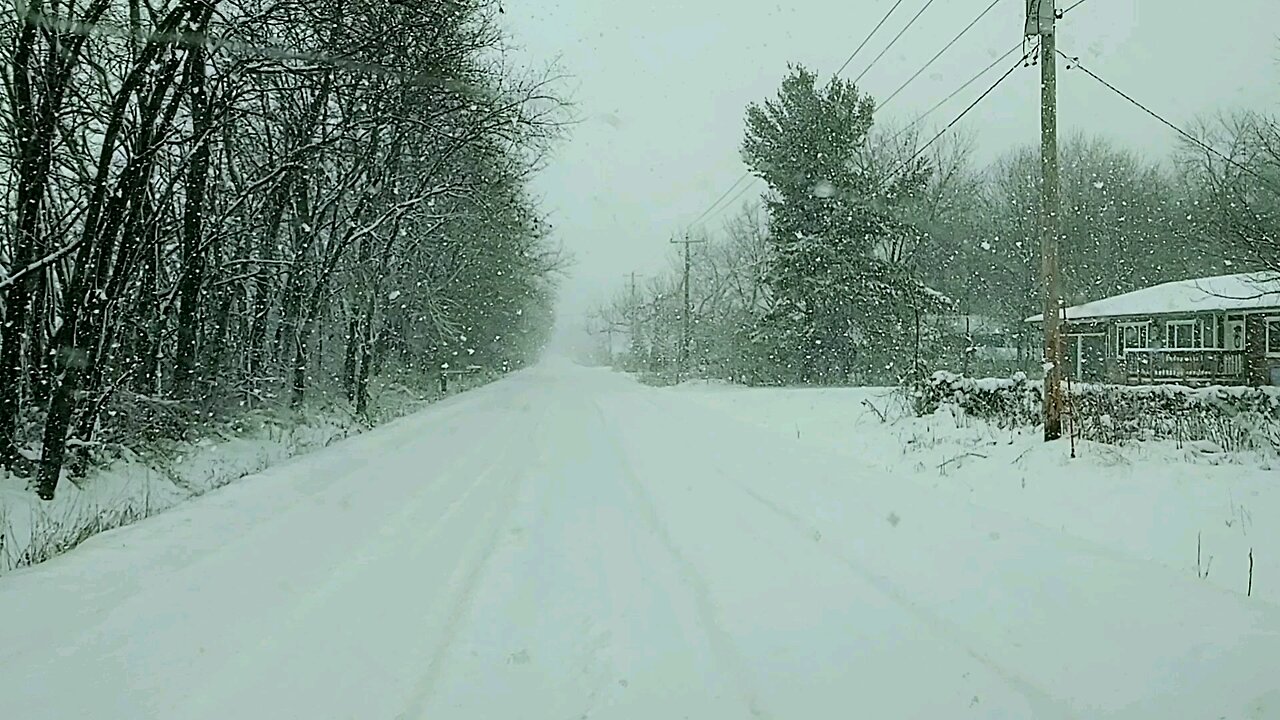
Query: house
x,y
1215,330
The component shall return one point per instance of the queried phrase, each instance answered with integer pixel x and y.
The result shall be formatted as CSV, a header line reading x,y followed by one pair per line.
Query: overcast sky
x,y
661,87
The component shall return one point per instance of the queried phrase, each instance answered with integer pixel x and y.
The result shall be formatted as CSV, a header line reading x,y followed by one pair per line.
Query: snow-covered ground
x,y
567,543
1155,501
135,485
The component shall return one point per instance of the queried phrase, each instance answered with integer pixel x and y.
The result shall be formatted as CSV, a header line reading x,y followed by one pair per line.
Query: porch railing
x,y
1173,365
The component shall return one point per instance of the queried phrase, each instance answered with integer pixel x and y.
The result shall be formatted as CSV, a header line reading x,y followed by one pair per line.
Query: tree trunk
x,y
366,361
193,256
256,343
300,359
87,301
146,339
35,118
293,311
222,340
350,360
55,430
35,130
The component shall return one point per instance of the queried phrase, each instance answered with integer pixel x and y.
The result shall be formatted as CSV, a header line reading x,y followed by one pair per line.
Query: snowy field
x,y
567,543
1154,501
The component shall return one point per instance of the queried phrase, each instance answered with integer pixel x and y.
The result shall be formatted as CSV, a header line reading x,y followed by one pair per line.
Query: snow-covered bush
x,y
1232,418
1011,401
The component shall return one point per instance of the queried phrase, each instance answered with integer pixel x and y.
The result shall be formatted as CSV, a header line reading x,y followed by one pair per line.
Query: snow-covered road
x,y
569,544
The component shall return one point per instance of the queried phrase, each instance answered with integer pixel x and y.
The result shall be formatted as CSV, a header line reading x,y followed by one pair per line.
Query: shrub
x,y
1233,418
1010,402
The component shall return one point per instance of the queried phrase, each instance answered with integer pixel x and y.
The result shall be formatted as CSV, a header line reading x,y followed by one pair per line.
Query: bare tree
x,y
1232,168
201,214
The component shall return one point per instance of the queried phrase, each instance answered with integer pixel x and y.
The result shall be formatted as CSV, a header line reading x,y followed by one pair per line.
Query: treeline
x,y
864,253
222,205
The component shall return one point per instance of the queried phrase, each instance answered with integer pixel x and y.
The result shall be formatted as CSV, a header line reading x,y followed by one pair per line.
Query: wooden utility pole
x,y
631,323
1042,20
688,308
634,320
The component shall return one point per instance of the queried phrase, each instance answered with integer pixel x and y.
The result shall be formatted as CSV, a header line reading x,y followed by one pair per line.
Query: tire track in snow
x,y
596,659
1045,706
463,589
721,642
387,536
333,485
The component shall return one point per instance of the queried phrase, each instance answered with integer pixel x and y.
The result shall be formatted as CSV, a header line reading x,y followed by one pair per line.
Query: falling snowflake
x,y
824,189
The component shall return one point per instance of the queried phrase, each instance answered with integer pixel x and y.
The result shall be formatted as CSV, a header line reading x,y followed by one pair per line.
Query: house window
x,y
1181,334
1209,336
1130,336
1273,337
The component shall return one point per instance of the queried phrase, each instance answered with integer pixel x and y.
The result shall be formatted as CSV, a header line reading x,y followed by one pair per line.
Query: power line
x,y
867,39
717,204
968,82
710,208
893,41
1075,62
960,89
939,54
713,206
949,125
709,211
960,117
724,195
739,194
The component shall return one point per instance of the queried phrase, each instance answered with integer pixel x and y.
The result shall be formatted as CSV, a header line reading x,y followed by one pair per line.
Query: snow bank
x,y
135,484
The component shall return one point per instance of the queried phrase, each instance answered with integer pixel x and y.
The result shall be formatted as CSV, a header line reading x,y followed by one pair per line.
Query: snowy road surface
x,y
569,544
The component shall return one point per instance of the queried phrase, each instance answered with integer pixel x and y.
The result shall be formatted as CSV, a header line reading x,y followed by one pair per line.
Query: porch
x,y
1186,366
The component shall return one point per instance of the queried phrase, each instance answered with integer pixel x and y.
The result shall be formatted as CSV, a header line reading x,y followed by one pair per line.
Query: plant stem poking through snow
x,y
960,457
875,410
1208,563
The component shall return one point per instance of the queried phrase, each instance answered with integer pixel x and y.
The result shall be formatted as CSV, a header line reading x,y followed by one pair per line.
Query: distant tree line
x,y
229,204
860,240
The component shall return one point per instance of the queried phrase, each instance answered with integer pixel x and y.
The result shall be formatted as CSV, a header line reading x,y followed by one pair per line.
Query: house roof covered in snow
x,y
1239,292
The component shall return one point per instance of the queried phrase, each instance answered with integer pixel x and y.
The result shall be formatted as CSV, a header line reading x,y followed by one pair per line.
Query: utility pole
x,y
634,321
1042,20
688,307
